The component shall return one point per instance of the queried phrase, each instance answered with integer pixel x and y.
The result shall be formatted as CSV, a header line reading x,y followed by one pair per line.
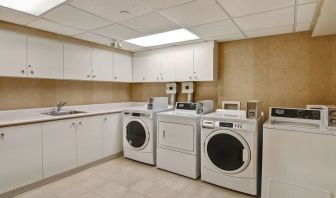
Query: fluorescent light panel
x,y
163,38
33,7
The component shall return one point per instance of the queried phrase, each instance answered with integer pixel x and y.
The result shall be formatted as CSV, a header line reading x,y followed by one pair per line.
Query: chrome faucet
x,y
60,105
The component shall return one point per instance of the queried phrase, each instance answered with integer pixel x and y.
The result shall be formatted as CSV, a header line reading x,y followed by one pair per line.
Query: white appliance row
x,y
222,147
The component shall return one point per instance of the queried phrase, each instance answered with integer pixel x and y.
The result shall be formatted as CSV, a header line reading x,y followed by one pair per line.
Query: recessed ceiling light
x,y
163,38
33,7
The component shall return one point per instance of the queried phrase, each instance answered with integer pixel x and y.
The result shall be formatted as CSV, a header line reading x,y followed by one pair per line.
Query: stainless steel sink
x,y
62,113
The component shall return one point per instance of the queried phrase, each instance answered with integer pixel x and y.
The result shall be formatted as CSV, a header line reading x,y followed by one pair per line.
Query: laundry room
x,y
167,98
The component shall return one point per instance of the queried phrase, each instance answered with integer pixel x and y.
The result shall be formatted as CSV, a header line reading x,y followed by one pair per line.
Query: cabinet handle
x,y
93,76
22,71
105,119
32,72
73,124
157,78
190,77
29,66
115,77
88,76
195,77
143,78
164,134
2,135
161,78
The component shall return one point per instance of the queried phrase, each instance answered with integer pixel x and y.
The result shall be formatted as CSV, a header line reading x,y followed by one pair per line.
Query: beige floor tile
x,y
37,193
77,191
143,186
125,178
91,195
226,193
131,194
94,182
61,186
111,190
162,191
198,189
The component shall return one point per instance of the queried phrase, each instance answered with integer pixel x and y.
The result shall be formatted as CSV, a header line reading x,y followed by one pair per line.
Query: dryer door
x,y
227,151
137,134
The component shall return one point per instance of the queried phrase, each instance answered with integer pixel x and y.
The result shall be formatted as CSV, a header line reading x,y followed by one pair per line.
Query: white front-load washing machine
x,y
298,155
230,150
139,134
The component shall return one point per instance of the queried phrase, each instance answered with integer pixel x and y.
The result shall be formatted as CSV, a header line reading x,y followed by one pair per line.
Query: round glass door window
x,y
228,152
136,134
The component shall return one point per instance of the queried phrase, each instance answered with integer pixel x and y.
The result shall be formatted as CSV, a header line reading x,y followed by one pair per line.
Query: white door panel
x,y
102,65
184,65
112,134
122,67
77,62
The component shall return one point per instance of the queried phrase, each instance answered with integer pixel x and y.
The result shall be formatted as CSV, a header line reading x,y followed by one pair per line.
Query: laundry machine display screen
x,y
226,124
226,152
136,134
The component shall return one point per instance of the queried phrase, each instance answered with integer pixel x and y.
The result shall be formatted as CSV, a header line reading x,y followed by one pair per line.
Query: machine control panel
x,y
307,114
222,124
186,106
136,114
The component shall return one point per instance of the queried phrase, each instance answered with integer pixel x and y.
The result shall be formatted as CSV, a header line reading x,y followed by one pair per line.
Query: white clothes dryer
x,y
230,150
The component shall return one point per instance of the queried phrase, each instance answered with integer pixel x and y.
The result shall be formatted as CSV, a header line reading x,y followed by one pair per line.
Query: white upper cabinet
x,y
20,156
167,61
184,65
140,68
102,65
153,68
77,62
205,62
45,58
122,67
13,54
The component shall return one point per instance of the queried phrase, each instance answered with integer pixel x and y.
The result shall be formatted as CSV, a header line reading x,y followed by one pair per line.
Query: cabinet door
x,y
59,146
13,54
112,134
204,63
77,62
89,140
184,65
154,68
45,58
21,156
139,68
102,65
122,67
168,67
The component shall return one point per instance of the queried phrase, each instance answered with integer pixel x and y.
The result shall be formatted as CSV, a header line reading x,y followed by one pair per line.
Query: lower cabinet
x,y
59,146
89,140
20,156
112,134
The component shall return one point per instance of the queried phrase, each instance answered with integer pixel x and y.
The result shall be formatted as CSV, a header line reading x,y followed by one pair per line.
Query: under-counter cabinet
x,y
20,156
45,58
77,62
112,134
59,146
13,54
89,139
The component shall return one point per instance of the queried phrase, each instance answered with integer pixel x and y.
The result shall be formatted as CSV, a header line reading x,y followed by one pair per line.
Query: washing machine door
x,y
137,134
227,151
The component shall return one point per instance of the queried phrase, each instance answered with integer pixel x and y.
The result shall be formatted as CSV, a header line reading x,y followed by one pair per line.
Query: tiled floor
x,y
123,178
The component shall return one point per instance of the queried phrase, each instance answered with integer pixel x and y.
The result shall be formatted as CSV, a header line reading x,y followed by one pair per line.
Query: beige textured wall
x,y
285,70
16,93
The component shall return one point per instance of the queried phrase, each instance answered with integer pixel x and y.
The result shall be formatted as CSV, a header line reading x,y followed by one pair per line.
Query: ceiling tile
x,y
305,1
208,30
267,32
94,38
161,4
237,8
118,32
227,37
195,13
302,27
13,16
266,20
111,9
49,26
305,13
150,24
76,18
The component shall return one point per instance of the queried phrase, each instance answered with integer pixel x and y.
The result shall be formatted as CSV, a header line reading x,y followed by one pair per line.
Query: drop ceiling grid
x,y
161,6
